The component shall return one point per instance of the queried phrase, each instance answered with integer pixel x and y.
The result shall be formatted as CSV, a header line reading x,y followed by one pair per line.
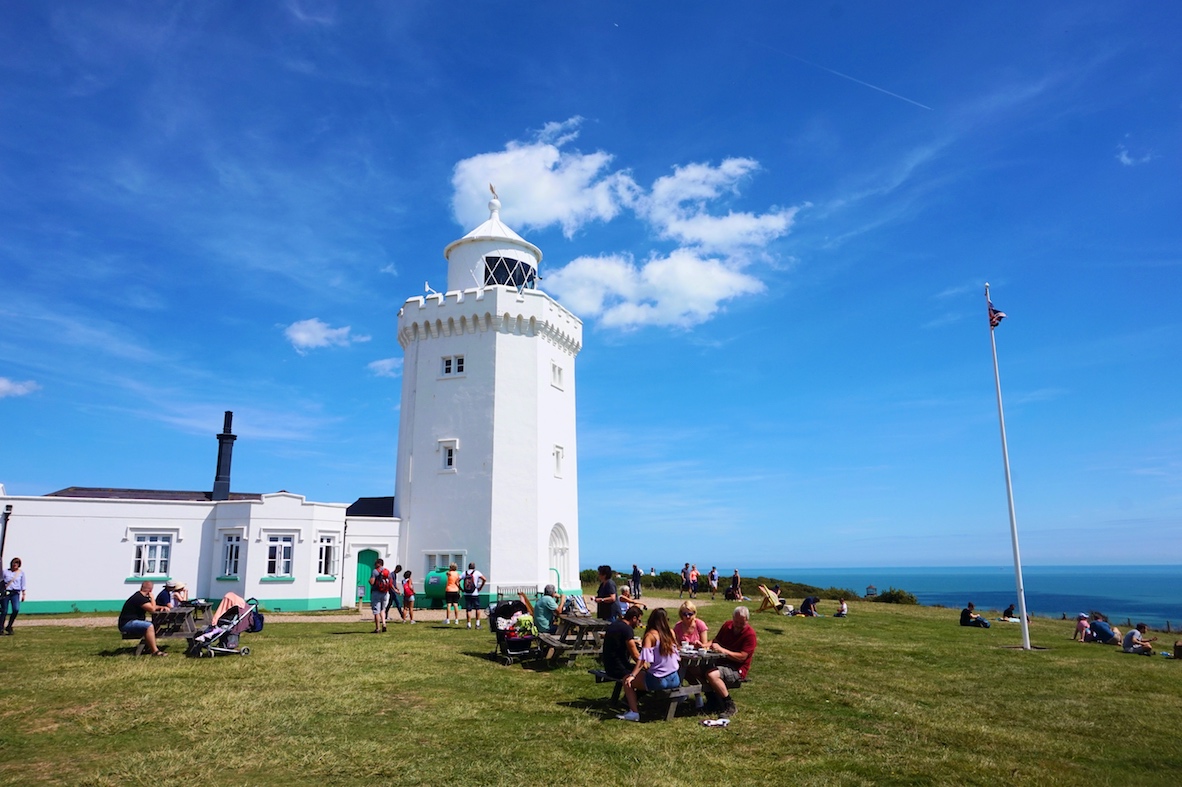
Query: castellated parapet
x,y
497,308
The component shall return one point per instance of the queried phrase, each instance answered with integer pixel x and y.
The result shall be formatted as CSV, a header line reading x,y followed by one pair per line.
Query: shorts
x,y
472,603
408,599
452,597
378,602
670,681
136,627
730,676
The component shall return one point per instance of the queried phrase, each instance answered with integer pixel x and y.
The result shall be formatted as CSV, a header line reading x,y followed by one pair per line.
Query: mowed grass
x,y
890,695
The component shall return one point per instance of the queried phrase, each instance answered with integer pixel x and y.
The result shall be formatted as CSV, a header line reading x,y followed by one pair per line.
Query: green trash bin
x,y
434,587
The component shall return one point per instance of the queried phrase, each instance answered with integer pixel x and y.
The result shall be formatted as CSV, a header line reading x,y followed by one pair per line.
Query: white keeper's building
x,y
487,472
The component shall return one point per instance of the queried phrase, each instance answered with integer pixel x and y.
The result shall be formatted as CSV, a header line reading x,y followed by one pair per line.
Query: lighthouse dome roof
x,y
495,230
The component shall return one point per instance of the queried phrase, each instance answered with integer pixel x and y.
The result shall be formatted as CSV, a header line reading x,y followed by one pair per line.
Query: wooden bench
x,y
674,696
173,624
139,648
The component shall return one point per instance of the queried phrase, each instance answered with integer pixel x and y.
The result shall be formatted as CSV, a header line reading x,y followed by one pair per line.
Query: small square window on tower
x,y
452,365
448,454
556,375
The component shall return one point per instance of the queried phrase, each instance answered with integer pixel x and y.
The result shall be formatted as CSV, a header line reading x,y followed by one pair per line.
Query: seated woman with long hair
x,y
658,663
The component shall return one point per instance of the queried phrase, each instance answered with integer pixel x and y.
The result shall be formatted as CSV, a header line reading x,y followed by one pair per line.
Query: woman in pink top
x,y
658,663
690,628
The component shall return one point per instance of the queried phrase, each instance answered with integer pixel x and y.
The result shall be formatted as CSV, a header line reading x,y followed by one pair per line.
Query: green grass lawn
x,y
890,695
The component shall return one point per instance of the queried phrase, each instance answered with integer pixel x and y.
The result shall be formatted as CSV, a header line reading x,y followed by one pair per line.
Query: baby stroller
x,y
233,618
512,643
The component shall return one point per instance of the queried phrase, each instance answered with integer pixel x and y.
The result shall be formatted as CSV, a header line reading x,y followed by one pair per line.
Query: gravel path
x,y
346,616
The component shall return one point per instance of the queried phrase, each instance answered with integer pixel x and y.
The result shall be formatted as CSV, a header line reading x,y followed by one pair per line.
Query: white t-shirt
x,y
478,579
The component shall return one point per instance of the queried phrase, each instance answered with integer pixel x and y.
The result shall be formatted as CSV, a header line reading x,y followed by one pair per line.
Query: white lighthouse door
x,y
560,557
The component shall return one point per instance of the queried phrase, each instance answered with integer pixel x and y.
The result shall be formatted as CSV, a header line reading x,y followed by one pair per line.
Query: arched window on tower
x,y
560,556
509,271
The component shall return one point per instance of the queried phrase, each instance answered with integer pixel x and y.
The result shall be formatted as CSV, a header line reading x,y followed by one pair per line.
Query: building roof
x,y
107,493
495,230
372,506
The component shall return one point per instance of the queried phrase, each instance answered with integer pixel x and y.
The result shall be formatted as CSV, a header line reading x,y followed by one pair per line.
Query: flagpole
x,y
1005,455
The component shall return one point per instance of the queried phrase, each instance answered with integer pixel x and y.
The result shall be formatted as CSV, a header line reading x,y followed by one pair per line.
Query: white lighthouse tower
x,y
487,463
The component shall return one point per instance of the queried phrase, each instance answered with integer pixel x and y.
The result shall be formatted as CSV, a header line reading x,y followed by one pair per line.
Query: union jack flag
x,y
995,316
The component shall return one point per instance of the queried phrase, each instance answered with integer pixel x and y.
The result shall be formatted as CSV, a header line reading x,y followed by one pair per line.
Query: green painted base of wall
x,y
299,604
274,605
57,607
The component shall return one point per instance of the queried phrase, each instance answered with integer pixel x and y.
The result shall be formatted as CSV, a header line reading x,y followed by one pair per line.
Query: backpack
x,y
383,584
469,582
408,588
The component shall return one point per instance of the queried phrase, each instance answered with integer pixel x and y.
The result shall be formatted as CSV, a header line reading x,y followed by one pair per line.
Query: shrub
x,y
895,596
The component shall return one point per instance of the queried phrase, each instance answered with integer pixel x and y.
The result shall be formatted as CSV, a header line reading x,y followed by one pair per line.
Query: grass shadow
x,y
596,706
111,652
348,633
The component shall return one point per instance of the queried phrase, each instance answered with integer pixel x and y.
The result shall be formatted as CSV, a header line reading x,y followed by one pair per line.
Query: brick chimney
x,y
221,482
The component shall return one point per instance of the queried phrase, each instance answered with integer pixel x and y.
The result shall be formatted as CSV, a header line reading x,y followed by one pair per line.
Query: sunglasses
x,y
687,614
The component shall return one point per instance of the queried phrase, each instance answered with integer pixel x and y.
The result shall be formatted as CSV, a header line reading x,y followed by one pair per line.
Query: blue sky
x,y
776,221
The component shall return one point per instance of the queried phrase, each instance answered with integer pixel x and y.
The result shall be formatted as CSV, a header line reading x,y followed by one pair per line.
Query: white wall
x,y
500,504
79,552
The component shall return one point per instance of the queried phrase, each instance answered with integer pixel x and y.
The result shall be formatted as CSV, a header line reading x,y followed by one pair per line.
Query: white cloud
x,y
543,184
307,334
13,388
1122,155
677,208
386,367
681,289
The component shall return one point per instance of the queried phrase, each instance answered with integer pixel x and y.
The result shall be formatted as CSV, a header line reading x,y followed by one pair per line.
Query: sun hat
x,y
1082,616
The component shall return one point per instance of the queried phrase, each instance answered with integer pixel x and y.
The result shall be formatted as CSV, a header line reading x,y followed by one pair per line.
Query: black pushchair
x,y
235,617
511,645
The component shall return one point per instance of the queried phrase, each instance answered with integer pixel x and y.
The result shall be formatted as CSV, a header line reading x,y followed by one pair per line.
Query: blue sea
x,y
1149,594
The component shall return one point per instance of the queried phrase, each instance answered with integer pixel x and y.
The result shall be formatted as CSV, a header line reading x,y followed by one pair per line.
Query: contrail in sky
x,y
850,78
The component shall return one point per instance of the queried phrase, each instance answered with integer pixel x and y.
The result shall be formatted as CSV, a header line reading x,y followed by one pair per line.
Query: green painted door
x,y
366,559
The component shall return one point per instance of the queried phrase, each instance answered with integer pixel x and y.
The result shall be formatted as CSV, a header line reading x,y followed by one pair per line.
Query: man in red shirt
x,y
736,642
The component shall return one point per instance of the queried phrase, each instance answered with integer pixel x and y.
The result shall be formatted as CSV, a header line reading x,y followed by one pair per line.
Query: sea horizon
x,y
1125,593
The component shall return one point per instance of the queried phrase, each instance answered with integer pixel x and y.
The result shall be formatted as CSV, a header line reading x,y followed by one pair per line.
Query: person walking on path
x,y
712,578
451,596
694,577
408,595
685,582
395,596
473,582
12,593
380,586
636,576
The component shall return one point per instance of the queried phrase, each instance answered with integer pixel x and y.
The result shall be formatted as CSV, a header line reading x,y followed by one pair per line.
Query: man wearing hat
x,y
172,594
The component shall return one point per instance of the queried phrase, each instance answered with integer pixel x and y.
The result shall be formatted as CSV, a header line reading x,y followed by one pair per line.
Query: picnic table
x,y
576,635
171,624
200,607
694,664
